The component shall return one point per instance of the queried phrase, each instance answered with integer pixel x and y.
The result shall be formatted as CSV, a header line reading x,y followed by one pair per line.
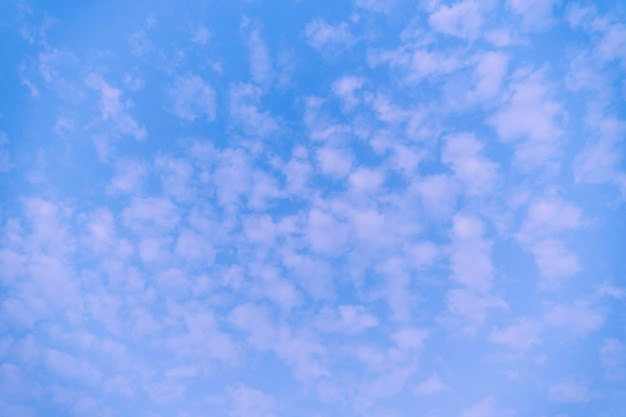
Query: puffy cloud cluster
x,y
369,208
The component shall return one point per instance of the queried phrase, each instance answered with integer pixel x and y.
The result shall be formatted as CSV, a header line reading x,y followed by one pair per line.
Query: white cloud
x,y
346,88
50,225
154,250
463,19
363,180
438,194
489,74
298,349
548,216
375,5
387,385
486,408
555,261
325,233
249,402
151,215
470,260
613,359
276,289
601,160
532,117
115,110
129,176
521,335
265,189
260,61
536,14
424,64
201,35
245,111
68,366
569,392
471,309
577,317
101,235
176,177
370,227
423,254
463,152
312,273
410,338
199,339
13,265
328,39
192,98
5,160
181,372
334,161
396,288
349,319
346,224
430,386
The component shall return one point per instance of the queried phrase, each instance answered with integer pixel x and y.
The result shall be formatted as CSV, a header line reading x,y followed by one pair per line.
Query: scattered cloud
x,y
329,39
192,98
569,392
327,208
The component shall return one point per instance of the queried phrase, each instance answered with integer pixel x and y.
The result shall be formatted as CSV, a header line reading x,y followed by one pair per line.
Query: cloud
x,y
115,110
519,336
325,233
377,6
324,216
410,338
600,161
348,319
430,386
577,317
463,152
129,176
151,215
486,408
334,161
471,308
191,98
548,216
260,61
176,175
346,88
249,402
363,180
202,35
470,260
489,73
569,392
245,111
438,194
5,160
536,14
327,38
613,359
463,19
417,63
554,261
298,349
69,367
531,120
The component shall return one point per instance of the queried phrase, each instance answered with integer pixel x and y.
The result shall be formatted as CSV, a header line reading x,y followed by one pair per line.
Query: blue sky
x,y
317,209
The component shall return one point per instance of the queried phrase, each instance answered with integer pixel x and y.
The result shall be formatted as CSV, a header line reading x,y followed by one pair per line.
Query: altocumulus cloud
x,y
265,209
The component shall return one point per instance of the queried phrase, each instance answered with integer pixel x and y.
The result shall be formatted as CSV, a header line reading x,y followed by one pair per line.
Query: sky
x,y
289,208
